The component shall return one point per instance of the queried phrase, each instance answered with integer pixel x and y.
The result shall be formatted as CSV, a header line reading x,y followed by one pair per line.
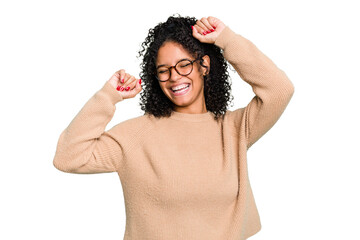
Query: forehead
x,y
170,53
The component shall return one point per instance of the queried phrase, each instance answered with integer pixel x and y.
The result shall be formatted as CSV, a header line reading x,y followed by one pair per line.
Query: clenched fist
x,y
208,29
127,85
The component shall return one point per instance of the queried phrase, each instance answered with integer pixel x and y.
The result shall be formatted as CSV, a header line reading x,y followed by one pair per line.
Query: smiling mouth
x,y
181,89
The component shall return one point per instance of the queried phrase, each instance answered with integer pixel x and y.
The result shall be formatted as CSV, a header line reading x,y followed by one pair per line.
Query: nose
x,y
174,76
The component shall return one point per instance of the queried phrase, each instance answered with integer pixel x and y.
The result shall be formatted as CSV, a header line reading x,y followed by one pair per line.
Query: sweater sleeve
x,y
273,89
84,146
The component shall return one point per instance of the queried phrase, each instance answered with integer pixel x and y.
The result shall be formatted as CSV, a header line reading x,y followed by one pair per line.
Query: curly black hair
x,y
178,29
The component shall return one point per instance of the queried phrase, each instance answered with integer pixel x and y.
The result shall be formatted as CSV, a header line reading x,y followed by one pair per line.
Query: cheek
x,y
198,79
197,75
164,89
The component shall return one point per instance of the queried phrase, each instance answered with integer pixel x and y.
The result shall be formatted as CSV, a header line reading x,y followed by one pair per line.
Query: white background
x,y
56,54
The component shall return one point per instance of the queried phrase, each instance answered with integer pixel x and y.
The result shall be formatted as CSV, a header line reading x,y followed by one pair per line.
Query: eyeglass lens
x,y
184,67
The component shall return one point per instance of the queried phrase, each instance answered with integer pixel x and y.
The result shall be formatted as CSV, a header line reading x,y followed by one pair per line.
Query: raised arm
x,y
84,146
273,89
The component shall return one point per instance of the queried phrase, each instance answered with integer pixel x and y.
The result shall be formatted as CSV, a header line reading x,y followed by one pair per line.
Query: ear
x,y
206,62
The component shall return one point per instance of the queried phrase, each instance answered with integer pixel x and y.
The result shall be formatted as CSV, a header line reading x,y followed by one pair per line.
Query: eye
x,y
162,71
184,65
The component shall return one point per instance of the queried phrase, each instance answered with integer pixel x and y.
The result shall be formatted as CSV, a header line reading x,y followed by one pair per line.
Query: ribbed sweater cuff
x,y
110,91
223,39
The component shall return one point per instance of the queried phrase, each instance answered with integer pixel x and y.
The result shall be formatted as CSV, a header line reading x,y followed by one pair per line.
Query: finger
x,y
122,75
137,88
207,25
125,80
114,80
130,83
213,21
122,80
122,84
201,27
197,33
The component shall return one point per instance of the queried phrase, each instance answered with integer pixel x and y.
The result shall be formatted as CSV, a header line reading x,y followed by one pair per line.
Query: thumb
x,y
137,87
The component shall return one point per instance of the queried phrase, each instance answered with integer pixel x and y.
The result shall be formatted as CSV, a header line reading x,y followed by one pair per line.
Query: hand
x,y
208,29
127,85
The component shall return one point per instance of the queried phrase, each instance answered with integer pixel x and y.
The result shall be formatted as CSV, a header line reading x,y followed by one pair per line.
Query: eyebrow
x,y
162,65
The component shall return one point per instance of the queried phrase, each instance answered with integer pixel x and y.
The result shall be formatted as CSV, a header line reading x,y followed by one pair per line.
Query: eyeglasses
x,y
184,67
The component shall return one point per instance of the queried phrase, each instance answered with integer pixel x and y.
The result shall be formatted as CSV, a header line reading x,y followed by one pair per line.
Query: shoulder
x,y
142,121
134,127
233,117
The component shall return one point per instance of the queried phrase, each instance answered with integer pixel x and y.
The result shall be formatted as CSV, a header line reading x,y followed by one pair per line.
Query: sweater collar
x,y
192,117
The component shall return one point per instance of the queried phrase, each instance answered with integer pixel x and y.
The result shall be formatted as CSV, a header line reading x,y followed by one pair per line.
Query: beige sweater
x,y
183,177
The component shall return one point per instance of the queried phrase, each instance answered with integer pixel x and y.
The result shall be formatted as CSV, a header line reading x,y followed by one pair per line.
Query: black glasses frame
x,y
170,67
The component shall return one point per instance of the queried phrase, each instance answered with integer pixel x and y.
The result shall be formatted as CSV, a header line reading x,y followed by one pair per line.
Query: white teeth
x,y
180,87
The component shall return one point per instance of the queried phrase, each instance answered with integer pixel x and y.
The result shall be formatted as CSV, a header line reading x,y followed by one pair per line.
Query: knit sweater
x,y
183,176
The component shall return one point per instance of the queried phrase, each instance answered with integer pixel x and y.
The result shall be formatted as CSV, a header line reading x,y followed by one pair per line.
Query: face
x,y
191,99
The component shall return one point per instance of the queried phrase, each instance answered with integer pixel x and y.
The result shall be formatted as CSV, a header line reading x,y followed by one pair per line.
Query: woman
x,y
183,164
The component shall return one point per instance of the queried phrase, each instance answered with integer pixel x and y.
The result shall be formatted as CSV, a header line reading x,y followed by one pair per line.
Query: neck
x,y
191,110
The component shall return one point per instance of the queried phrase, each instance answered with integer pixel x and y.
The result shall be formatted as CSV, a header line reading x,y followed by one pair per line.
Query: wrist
x,y
223,38
111,91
